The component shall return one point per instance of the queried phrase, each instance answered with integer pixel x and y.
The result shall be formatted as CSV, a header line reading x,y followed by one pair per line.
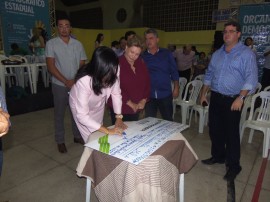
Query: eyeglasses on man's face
x,y
229,31
63,26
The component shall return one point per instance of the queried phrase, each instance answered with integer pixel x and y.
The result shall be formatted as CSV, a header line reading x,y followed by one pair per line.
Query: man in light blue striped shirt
x,y
231,75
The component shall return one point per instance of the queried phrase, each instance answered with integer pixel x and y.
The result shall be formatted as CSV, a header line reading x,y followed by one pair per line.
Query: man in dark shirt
x,y
163,70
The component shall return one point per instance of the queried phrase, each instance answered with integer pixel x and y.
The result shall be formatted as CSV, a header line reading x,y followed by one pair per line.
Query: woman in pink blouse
x,y
95,83
134,81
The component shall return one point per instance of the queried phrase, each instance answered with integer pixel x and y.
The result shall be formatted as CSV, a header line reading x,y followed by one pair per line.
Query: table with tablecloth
x,y
155,179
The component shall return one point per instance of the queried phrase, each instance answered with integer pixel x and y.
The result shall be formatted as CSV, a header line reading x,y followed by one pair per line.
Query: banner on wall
x,y
222,15
19,18
255,23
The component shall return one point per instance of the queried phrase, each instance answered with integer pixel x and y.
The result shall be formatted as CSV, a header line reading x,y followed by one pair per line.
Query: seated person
x,y
16,50
201,66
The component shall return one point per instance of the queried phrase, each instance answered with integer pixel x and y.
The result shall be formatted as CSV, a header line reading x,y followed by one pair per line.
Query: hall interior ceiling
x,y
77,2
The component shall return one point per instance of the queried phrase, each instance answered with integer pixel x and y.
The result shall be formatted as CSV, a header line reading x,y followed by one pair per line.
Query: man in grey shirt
x,y
64,56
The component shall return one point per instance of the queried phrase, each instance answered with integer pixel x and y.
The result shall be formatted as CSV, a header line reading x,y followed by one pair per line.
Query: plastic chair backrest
x,y
20,58
194,92
30,58
199,77
182,84
249,97
267,88
264,109
258,88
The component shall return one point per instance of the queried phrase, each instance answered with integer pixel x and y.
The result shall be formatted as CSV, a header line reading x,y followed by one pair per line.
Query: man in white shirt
x,y
64,56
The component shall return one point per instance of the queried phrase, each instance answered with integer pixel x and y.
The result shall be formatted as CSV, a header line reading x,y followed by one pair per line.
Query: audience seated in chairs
x,y
201,65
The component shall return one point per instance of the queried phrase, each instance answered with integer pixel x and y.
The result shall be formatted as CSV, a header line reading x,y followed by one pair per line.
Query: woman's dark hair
x,y
99,36
102,68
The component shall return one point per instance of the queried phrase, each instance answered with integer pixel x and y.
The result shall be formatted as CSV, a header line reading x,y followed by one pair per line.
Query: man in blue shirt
x,y
231,75
163,70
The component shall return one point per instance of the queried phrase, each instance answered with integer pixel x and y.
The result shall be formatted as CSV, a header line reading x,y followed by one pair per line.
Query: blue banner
x,y
255,23
19,18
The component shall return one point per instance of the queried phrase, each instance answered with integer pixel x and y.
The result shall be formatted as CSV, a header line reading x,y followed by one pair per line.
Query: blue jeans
x,y
164,105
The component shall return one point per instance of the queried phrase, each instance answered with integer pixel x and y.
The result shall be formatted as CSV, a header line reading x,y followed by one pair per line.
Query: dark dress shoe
x,y
212,161
232,173
62,148
79,140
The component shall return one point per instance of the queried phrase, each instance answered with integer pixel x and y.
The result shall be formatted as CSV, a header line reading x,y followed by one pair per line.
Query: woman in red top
x,y
134,81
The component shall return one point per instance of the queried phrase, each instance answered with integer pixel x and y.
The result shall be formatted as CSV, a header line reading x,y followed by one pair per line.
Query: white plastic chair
x,y
40,64
9,73
203,115
255,114
191,94
261,122
23,74
247,105
182,84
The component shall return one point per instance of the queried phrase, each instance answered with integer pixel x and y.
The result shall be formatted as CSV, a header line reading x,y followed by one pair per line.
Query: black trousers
x,y
164,105
186,74
224,130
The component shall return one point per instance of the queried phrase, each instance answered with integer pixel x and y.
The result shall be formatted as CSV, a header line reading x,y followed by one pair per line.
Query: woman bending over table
x,y
94,84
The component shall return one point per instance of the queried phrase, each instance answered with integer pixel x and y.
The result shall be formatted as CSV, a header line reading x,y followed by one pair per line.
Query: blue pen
x,y
124,135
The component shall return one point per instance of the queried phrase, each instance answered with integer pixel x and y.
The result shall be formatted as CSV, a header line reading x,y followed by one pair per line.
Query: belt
x,y
224,96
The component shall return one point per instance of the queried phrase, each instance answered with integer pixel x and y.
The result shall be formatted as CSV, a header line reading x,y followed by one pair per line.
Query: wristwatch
x,y
118,116
242,97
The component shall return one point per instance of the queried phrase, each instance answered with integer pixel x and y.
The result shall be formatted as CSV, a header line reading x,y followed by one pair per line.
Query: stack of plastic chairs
x,y
182,84
261,121
203,114
190,98
247,105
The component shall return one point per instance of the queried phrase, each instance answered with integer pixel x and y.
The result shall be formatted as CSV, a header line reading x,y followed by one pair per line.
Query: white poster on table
x,y
140,140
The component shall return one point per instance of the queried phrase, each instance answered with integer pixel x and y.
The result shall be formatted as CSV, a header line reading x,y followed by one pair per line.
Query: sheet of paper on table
x,y
141,139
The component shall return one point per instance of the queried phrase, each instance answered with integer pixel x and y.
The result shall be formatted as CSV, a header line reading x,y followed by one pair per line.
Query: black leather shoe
x,y
232,173
212,161
62,148
79,140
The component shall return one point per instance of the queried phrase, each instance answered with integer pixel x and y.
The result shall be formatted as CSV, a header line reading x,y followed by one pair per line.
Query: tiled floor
x,y
34,171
